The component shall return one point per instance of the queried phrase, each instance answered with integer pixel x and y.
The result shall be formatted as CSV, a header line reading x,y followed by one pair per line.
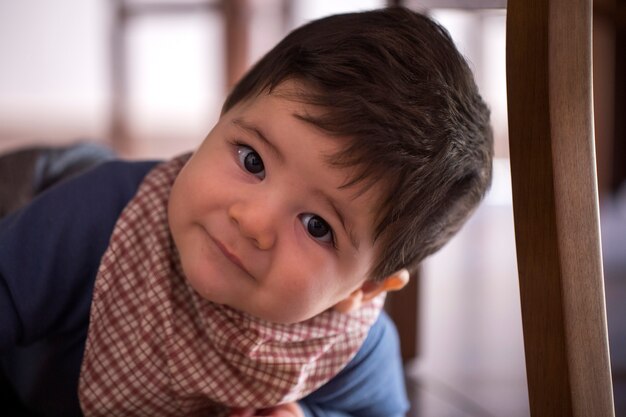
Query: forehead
x,y
277,121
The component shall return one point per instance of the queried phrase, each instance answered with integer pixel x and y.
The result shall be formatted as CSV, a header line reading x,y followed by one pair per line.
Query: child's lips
x,y
230,256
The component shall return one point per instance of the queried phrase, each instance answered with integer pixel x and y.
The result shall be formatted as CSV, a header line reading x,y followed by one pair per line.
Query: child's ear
x,y
371,289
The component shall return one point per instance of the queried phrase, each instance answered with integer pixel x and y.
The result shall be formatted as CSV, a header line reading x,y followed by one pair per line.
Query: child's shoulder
x,y
112,182
119,172
88,202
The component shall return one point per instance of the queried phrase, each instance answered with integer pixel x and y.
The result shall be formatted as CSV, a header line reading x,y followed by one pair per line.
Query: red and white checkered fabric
x,y
156,348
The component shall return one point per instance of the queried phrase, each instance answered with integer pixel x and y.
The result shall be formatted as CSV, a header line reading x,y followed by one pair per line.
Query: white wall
x,y
53,76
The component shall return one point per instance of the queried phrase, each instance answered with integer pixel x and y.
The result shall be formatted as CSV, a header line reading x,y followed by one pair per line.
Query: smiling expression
x,y
260,219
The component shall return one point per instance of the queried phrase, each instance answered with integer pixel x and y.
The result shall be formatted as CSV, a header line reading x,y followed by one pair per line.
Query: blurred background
x,y
148,78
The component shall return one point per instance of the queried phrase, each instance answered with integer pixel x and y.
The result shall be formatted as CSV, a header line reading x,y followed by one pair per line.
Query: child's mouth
x,y
230,256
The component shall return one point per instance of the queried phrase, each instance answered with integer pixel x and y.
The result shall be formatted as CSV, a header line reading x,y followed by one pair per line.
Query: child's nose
x,y
255,223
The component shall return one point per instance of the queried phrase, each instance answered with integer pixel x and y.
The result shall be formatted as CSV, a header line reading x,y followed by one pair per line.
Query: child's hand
x,y
283,410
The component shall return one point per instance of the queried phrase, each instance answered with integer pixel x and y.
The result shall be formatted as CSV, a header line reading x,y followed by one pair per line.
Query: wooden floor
x,y
472,358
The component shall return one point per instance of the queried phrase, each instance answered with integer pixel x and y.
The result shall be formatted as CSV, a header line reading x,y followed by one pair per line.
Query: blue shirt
x,y
49,256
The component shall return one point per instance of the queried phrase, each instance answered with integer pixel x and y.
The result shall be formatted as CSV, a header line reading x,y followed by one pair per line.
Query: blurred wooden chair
x,y
555,205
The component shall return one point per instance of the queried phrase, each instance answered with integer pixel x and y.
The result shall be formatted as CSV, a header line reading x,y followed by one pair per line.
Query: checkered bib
x,y
155,347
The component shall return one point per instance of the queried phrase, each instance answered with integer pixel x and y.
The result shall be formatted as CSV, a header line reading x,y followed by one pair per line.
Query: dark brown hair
x,y
391,81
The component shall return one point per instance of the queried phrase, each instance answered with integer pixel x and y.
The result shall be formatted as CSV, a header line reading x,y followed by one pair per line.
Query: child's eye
x,y
251,161
317,227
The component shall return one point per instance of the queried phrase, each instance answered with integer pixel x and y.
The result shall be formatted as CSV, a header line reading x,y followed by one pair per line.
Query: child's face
x,y
260,220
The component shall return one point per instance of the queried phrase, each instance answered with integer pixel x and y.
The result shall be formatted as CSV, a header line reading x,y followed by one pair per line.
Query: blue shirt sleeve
x,y
50,253
51,249
371,385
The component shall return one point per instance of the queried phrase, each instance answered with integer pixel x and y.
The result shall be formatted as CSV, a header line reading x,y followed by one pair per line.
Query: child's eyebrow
x,y
255,130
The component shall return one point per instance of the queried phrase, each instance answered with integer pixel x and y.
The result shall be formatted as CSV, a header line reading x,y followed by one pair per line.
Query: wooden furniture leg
x,y
555,207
